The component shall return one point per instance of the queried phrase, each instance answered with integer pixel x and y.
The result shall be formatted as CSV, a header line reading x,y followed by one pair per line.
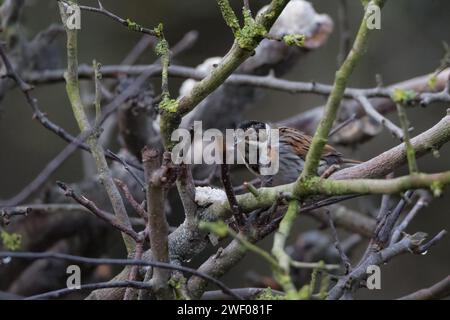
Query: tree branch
x,y
323,130
73,92
156,180
121,262
439,290
170,119
133,26
103,215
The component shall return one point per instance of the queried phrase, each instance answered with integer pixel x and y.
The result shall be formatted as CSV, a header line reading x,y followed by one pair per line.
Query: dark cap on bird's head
x,y
252,124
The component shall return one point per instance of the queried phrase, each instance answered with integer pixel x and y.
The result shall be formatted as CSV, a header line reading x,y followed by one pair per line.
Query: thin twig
x,y
98,153
43,119
345,284
342,125
342,76
133,26
423,249
423,201
140,210
439,290
50,208
387,222
91,286
134,270
379,118
103,215
344,258
410,152
228,186
266,82
122,262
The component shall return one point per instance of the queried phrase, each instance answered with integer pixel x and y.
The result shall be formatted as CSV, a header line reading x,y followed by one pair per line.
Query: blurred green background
x,y
409,44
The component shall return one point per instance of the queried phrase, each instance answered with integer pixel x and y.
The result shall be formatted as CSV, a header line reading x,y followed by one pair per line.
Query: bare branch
x,y
122,262
439,290
136,206
133,26
423,201
226,181
407,244
378,117
46,123
157,181
345,260
105,216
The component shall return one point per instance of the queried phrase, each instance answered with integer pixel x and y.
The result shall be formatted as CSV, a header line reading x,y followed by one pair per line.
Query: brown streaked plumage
x,y
300,142
293,148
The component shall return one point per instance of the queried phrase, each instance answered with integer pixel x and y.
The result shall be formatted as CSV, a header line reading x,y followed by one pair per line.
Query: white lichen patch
x,y
206,195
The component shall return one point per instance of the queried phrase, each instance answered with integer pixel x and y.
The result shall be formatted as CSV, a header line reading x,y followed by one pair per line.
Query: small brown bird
x,y
292,150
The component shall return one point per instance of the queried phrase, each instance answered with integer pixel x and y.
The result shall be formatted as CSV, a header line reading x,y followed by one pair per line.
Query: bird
x,y
293,146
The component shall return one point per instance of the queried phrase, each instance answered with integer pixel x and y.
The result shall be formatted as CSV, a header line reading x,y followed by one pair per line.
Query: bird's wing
x,y
300,142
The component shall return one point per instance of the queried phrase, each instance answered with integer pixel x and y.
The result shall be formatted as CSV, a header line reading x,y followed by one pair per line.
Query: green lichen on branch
x,y
162,48
437,187
231,61
178,284
403,96
98,93
133,26
267,294
11,241
334,100
163,51
445,63
73,92
316,185
294,40
282,234
252,32
159,30
410,152
229,16
168,105
281,271
432,82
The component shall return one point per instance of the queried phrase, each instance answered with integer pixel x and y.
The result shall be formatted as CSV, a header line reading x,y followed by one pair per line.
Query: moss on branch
x,y
251,34
278,250
73,92
229,16
317,186
133,26
231,61
410,152
294,40
334,100
401,98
